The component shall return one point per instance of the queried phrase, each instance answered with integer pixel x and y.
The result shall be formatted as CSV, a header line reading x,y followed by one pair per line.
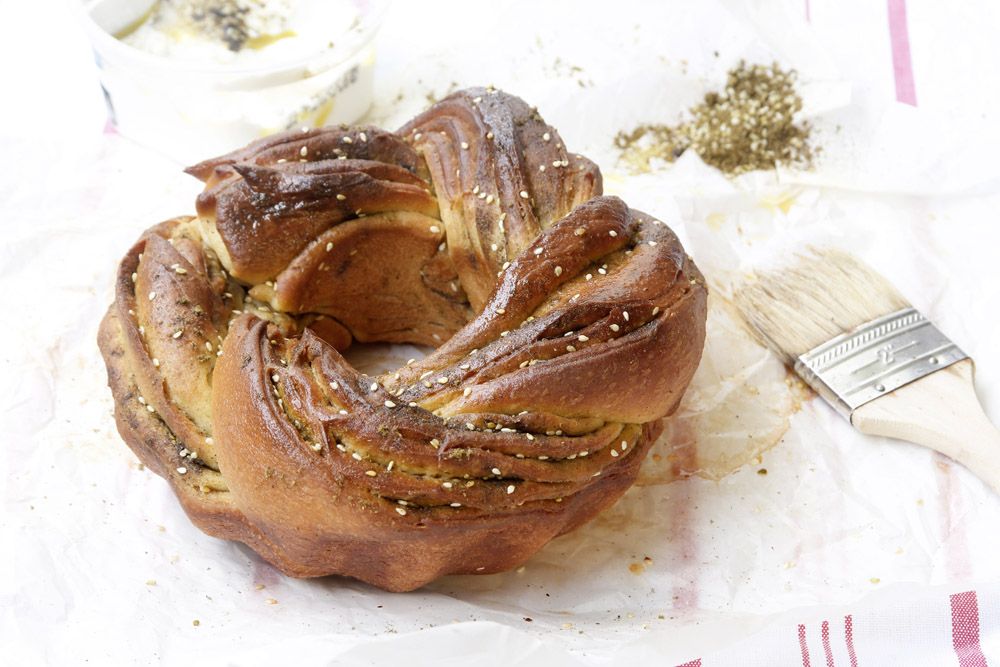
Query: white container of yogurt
x,y
196,78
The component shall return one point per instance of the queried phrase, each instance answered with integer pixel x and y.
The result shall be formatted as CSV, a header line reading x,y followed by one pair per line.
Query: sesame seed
x,y
142,400
652,243
304,151
489,135
370,473
470,426
656,310
505,266
356,456
435,229
177,334
334,386
442,380
363,136
541,167
464,367
435,443
341,197
510,489
624,445
400,511
416,137
582,338
427,384
613,233
524,194
489,199
347,140
496,471
625,315
329,247
447,485
557,163
530,437
504,333
341,447
466,391
455,504
390,404
342,411
374,386
316,446
493,247
558,270
182,470
135,276
579,231
152,295
538,251
465,145
209,441
546,136
614,452
208,345
275,378
178,269
156,362
615,327
570,348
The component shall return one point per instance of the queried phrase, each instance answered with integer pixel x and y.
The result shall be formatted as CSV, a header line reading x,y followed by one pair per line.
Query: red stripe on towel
x,y
849,639
902,67
965,630
803,646
825,634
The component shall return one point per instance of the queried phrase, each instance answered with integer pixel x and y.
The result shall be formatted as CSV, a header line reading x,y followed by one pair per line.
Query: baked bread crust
x,y
566,324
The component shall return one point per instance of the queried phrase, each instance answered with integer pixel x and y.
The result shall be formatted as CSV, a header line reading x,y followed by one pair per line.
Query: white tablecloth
x,y
848,551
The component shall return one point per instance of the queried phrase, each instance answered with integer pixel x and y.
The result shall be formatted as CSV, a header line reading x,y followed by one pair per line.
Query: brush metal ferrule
x,y
875,359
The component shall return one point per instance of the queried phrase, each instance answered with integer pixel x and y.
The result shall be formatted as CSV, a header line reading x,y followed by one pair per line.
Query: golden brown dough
x,y
566,325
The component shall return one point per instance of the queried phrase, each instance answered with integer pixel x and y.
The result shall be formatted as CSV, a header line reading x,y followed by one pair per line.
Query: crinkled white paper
x,y
787,506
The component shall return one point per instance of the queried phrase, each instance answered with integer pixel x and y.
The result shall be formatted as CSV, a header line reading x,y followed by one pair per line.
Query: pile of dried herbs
x,y
748,126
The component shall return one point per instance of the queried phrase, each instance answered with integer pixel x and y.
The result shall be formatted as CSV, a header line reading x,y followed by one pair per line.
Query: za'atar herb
x,y
748,126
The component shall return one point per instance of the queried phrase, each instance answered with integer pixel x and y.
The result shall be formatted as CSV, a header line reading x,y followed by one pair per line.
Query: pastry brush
x,y
856,341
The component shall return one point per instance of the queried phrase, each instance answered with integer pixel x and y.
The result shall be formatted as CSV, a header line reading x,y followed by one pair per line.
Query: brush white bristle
x,y
820,296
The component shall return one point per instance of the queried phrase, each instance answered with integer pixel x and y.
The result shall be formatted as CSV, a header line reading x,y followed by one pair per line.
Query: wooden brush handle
x,y
940,411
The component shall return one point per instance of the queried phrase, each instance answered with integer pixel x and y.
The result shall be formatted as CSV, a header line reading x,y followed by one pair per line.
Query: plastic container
x,y
190,109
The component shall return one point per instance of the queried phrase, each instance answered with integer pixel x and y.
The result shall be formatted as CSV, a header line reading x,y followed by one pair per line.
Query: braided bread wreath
x,y
567,326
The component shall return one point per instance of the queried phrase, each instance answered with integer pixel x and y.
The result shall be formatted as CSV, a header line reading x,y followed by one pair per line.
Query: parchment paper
x,y
761,502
